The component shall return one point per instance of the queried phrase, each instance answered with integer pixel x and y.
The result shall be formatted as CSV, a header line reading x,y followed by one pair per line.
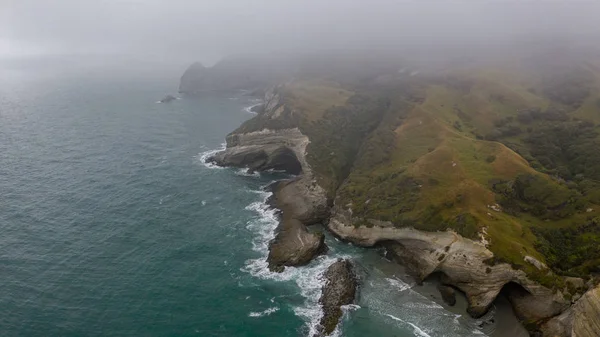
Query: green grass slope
x,y
498,152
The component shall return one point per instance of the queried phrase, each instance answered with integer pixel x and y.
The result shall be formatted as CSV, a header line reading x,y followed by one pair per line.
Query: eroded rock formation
x,y
339,290
462,262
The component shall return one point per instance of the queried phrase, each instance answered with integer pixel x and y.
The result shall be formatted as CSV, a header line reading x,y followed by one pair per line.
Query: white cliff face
x,y
580,320
462,262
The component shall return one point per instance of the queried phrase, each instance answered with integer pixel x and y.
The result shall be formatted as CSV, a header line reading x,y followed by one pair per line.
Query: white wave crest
x,y
350,307
428,305
398,284
266,312
249,108
203,157
246,173
416,330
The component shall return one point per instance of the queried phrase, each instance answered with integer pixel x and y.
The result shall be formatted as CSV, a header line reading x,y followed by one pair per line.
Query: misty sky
x,y
209,29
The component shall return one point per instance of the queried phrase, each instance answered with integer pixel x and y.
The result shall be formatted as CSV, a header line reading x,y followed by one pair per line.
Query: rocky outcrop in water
x,y
339,289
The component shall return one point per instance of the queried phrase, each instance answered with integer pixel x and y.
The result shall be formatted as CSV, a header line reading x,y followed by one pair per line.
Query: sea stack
x,y
339,290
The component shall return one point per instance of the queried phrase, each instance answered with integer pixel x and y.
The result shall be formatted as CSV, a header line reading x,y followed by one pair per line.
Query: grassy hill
x,y
506,151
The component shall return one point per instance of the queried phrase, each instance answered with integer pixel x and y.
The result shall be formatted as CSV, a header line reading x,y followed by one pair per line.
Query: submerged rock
x,y
339,290
168,99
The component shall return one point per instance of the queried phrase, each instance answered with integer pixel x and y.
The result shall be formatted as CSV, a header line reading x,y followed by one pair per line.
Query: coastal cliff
x,y
461,262
398,161
580,320
301,200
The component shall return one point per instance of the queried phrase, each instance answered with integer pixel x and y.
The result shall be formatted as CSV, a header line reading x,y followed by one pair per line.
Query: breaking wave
x,y
249,108
203,157
416,330
309,279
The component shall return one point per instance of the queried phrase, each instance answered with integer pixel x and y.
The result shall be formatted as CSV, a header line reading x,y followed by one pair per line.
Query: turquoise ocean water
x,y
112,224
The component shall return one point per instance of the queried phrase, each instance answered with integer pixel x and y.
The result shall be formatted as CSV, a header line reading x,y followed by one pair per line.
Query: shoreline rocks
x,y
339,290
294,245
301,201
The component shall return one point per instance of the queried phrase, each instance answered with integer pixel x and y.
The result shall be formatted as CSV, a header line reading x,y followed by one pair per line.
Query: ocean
x,y
112,223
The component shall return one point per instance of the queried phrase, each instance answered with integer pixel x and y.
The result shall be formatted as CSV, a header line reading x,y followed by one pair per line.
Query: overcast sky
x,y
209,29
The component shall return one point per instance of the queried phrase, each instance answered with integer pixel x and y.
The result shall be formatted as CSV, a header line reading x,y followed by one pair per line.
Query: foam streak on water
x,y
249,108
418,331
266,312
203,157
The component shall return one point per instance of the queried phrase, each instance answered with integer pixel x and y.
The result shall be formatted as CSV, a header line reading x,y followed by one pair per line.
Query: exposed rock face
x,y
264,150
339,289
580,320
302,199
460,260
300,205
293,245
260,158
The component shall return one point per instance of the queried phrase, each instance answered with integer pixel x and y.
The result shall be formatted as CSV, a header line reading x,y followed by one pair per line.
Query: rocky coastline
x,y
300,200
462,263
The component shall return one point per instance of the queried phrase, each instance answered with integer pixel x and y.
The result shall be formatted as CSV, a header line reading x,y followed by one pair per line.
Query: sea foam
x,y
203,157
309,279
249,108
416,330
266,312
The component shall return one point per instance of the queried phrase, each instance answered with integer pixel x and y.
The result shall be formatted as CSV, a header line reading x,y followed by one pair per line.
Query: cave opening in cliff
x,y
514,293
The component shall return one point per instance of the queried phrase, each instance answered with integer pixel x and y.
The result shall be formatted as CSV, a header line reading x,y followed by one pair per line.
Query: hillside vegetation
x,y
505,152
